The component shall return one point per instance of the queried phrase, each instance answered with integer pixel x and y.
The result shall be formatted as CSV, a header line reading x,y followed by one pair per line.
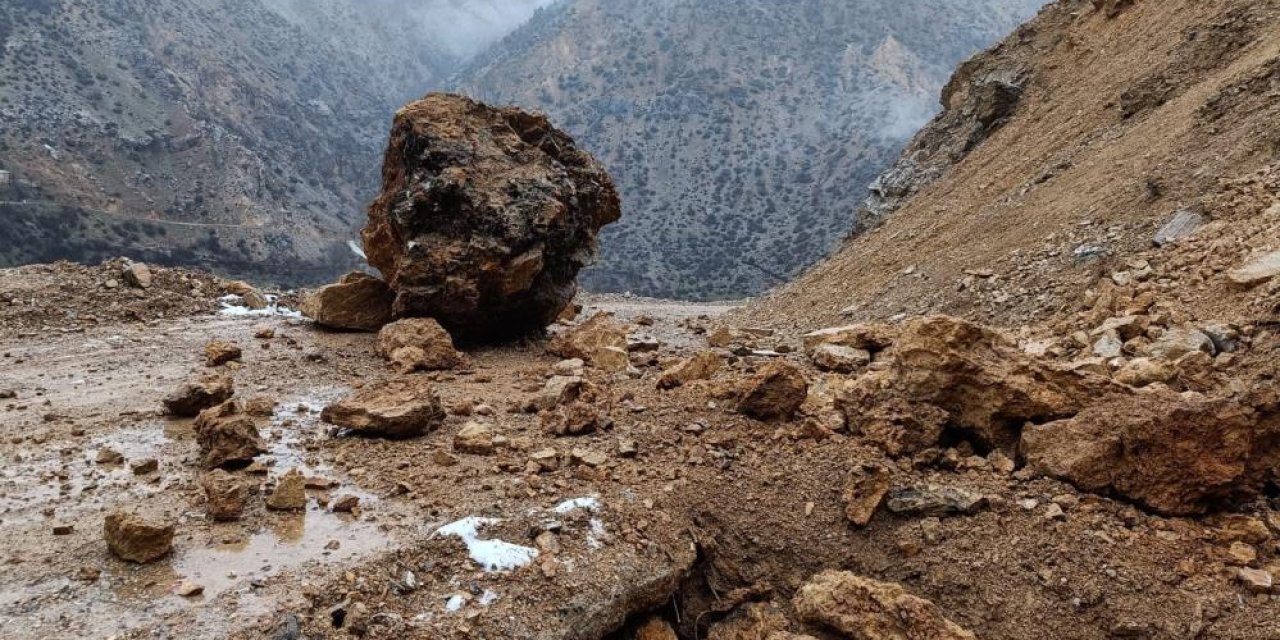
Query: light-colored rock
x,y
596,341
935,501
418,344
1180,341
869,337
137,275
357,302
1257,271
290,493
864,609
397,408
700,366
475,438
1183,224
839,358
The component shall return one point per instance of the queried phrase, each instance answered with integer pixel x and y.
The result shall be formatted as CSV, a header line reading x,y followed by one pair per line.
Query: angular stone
x,y
137,275
290,493
1180,341
1174,454
136,539
869,337
219,353
600,341
1255,580
357,302
776,392
935,501
418,344
226,496
865,609
1258,270
192,397
864,491
485,218
839,358
396,408
474,438
1183,224
701,366
227,436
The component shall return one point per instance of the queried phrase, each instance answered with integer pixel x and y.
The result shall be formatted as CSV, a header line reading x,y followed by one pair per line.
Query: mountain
x,y
241,135
1061,155
743,134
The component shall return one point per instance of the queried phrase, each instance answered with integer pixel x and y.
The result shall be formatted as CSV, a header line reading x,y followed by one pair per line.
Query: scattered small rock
x,y
195,396
218,353
133,538
225,495
290,493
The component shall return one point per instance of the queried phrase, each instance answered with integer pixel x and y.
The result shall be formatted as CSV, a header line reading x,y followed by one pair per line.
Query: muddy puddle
x,y
232,563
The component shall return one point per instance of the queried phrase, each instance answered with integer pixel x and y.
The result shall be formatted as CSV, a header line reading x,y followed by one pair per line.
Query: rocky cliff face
x,y
743,134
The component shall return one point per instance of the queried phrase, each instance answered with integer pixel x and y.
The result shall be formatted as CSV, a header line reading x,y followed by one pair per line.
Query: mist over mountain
x,y
743,134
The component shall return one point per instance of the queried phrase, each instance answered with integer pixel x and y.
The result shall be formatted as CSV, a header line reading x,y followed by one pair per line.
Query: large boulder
x,y
1175,454
947,372
397,408
864,609
485,218
357,302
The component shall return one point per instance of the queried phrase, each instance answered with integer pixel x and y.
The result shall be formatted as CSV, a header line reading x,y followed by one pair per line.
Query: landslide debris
x,y
401,407
863,609
485,218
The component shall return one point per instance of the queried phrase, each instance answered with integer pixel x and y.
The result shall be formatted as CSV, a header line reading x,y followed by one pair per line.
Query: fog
x,y
466,27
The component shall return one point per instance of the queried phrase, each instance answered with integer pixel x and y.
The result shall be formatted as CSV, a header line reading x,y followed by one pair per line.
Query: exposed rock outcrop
x,y
946,372
485,218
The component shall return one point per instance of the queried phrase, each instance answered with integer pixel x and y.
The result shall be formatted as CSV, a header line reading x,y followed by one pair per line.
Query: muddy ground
x,y
681,508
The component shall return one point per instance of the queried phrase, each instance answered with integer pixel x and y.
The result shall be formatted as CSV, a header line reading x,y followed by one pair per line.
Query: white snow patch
x,y
493,555
233,305
454,603
355,248
488,598
590,504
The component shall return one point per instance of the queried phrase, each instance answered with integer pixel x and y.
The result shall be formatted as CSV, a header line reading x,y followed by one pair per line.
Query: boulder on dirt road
x,y
418,344
864,609
775,393
357,302
136,539
1175,454
194,396
397,408
225,495
227,436
485,218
